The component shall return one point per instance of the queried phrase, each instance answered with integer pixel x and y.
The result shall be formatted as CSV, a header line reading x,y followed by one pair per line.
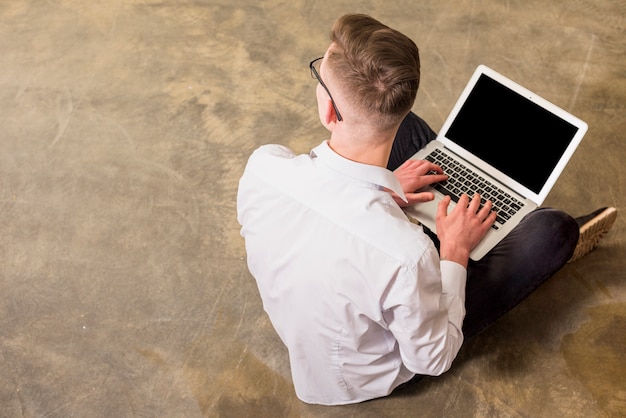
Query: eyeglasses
x,y
316,74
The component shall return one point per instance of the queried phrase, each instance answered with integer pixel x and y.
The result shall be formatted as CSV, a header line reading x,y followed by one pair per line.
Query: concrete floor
x,y
124,128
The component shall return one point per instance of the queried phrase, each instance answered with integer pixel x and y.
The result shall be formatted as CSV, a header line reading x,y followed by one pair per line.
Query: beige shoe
x,y
592,229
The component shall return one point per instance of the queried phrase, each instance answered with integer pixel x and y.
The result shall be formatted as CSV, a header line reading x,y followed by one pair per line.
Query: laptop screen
x,y
510,132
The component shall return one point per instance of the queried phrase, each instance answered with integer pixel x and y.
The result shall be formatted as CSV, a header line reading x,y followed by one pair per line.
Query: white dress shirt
x,y
355,290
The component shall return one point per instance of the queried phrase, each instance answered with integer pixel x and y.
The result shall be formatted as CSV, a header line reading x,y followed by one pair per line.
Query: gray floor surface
x,y
124,128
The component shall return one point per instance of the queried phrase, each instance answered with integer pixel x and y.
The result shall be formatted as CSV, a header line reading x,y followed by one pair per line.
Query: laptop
x,y
514,143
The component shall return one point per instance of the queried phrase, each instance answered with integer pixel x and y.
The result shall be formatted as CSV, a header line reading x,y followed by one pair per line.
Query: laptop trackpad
x,y
425,213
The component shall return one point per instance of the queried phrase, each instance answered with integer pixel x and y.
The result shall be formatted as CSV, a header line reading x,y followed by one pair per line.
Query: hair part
x,y
376,66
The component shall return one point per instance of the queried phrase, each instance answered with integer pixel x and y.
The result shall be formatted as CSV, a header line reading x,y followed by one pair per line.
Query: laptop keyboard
x,y
461,180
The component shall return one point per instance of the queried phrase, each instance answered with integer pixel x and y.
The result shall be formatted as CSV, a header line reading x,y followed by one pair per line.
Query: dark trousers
x,y
532,252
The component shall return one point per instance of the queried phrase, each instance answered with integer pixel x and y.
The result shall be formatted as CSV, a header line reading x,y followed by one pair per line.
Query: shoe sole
x,y
592,232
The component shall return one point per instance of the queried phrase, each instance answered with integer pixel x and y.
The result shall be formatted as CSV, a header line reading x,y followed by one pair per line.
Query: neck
x,y
371,148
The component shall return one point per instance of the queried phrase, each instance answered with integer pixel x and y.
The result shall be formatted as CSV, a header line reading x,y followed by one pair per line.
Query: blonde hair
x,y
377,67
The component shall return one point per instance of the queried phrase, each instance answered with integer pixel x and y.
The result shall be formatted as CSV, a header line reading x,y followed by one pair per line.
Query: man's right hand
x,y
462,229
413,175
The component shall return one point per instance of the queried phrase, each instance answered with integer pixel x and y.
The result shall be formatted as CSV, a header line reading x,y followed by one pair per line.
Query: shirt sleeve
x,y
453,280
426,308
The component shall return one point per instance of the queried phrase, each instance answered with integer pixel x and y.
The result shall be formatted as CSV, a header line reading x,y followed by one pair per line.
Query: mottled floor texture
x,y
124,128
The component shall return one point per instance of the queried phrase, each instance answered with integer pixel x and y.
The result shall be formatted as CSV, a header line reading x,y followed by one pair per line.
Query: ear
x,y
330,117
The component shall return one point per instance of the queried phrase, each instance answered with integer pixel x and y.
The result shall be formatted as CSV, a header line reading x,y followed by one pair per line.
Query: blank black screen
x,y
513,134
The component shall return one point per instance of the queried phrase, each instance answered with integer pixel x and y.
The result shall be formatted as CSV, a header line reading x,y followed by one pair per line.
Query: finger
x,y
489,219
418,164
436,168
487,214
463,201
436,178
442,207
419,197
474,204
485,209
424,167
428,166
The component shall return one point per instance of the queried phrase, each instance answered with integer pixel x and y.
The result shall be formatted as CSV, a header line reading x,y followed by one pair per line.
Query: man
x,y
364,299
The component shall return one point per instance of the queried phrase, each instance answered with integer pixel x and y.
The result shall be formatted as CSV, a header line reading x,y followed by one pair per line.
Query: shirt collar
x,y
379,176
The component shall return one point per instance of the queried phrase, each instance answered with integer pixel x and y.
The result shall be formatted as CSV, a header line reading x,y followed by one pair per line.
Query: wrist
x,y
460,256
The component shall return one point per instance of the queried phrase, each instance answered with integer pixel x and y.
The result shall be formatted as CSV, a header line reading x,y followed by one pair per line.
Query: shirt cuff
x,y
453,278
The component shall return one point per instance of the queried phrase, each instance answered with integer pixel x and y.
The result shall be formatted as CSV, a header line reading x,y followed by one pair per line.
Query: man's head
x,y
374,69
